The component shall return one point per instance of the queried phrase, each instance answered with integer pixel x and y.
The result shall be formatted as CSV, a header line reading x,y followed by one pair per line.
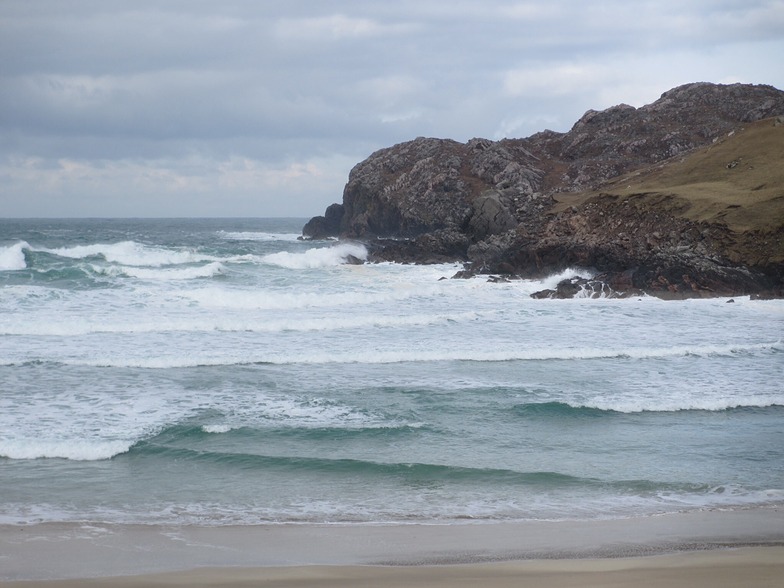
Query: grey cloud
x,y
295,86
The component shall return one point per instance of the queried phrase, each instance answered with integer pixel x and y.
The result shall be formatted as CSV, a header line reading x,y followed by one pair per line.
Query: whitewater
x,y
224,371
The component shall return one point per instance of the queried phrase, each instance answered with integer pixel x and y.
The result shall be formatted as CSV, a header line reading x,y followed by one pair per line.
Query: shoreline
x,y
63,554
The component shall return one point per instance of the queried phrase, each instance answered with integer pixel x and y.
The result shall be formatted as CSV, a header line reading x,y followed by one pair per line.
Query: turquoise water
x,y
221,371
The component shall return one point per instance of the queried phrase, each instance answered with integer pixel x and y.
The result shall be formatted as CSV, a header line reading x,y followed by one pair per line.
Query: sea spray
x,y
318,257
12,257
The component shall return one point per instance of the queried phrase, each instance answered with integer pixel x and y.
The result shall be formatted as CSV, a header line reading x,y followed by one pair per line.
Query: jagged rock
x,y
489,216
504,207
442,246
321,227
407,190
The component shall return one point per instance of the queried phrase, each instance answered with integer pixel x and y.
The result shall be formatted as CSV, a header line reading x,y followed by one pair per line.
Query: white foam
x,y
316,413
294,412
727,495
73,449
12,257
131,253
499,355
550,282
683,403
213,297
257,236
77,327
317,257
209,270
217,429
351,355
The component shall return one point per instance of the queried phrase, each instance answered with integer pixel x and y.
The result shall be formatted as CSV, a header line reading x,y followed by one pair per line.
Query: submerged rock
x,y
578,287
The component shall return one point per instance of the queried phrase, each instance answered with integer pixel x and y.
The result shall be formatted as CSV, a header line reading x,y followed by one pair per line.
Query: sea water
x,y
224,372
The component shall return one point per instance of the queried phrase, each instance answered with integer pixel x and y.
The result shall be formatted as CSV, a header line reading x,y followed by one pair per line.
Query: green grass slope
x,y
736,183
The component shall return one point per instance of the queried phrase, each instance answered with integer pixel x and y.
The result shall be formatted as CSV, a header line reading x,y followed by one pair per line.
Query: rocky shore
x,y
683,197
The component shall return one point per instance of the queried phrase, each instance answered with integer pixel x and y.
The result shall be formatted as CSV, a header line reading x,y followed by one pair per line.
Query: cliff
x,y
682,197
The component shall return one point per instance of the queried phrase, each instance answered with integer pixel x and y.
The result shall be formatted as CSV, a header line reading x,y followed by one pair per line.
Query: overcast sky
x,y
261,108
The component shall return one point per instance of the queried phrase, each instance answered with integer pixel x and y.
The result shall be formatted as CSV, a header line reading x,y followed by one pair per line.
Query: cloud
x,y
336,27
555,79
191,186
149,107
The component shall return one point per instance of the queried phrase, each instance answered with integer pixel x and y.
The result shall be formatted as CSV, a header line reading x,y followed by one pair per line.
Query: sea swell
x,y
225,372
603,409
295,422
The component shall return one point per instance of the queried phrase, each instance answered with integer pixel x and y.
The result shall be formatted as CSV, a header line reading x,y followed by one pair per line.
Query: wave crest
x,y
318,256
599,409
72,449
12,257
370,356
257,236
131,253
209,270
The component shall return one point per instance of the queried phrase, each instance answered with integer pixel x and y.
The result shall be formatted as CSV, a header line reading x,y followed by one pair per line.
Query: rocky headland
x,y
683,197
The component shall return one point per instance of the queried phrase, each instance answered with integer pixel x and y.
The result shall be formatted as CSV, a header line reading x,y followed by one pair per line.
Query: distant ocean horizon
x,y
223,371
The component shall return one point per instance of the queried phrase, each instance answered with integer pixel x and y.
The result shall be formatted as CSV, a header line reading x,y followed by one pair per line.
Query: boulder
x,y
322,227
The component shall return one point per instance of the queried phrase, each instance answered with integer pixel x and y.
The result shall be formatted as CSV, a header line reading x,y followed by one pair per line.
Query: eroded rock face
x,y
491,202
489,216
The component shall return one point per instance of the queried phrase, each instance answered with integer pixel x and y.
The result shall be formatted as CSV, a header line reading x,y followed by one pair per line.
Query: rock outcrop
x,y
597,197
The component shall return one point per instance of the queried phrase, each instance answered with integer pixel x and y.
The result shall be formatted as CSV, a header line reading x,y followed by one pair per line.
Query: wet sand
x,y
719,548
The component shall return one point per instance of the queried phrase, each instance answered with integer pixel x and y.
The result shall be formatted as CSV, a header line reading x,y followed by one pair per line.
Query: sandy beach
x,y
755,567
720,548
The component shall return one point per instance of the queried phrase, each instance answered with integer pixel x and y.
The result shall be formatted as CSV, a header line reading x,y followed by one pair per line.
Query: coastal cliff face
x,y
682,197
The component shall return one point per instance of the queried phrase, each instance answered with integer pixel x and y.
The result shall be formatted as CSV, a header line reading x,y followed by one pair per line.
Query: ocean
x,y
223,372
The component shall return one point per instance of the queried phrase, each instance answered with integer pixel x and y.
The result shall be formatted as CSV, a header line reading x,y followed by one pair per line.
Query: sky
x,y
192,108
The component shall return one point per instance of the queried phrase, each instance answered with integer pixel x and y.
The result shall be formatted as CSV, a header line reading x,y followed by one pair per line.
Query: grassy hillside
x,y
737,182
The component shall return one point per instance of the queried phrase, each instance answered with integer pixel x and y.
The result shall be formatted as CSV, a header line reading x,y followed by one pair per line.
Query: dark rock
x,y
442,246
322,227
498,280
464,274
489,216
353,260
492,203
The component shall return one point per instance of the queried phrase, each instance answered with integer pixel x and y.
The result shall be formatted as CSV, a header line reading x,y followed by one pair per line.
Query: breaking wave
x,y
209,270
257,236
318,256
73,449
12,257
602,409
130,253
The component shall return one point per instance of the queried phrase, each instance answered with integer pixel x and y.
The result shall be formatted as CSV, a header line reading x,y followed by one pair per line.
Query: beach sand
x,y
719,548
